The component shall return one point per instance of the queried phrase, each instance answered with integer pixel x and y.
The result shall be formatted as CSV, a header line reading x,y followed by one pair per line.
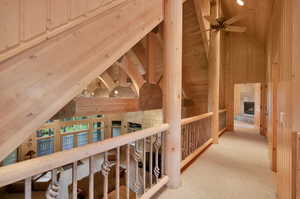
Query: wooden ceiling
x,y
258,16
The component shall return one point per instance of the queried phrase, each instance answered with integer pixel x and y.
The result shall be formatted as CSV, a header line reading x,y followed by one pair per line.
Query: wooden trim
x,y
151,192
22,170
191,158
196,118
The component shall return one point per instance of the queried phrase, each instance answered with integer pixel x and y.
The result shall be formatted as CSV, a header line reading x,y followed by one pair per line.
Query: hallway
x,y
236,168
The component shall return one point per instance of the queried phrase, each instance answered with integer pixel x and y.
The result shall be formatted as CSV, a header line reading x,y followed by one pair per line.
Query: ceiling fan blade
x,y
234,19
211,20
235,29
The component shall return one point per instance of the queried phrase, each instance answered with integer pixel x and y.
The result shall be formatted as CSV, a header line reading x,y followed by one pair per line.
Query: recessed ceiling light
x,y
240,2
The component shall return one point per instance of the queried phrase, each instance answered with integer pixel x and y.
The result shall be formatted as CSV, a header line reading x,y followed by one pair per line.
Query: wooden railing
x,y
140,155
222,121
196,136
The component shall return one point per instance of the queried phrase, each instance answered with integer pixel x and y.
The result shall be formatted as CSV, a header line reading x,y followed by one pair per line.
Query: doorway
x,y
247,106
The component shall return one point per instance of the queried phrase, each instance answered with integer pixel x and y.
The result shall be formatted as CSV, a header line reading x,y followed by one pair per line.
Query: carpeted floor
x,y
237,168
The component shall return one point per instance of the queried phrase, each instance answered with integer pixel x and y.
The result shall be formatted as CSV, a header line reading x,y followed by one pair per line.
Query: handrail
x,y
19,171
196,118
222,110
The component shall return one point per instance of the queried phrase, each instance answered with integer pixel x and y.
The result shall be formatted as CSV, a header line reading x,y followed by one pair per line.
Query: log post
x,y
214,74
172,88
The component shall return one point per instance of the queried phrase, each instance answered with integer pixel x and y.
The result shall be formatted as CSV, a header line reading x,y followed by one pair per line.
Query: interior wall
x,y
244,62
284,57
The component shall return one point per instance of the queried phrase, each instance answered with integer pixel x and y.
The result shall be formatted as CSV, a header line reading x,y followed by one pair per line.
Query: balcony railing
x,y
222,121
196,136
140,156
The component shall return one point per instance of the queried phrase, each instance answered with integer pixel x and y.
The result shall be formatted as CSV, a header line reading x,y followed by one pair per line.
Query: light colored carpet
x,y
237,168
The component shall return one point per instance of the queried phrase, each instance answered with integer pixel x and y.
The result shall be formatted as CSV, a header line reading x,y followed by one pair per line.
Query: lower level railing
x,y
196,136
131,166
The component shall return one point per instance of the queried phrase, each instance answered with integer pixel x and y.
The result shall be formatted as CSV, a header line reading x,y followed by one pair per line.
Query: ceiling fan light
x,y
240,2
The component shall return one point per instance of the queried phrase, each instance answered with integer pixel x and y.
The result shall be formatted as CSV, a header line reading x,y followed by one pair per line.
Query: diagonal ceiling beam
x,y
128,66
202,8
107,81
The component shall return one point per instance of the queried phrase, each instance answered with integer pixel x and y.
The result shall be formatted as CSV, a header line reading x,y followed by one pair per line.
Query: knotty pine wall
x,y
243,62
284,69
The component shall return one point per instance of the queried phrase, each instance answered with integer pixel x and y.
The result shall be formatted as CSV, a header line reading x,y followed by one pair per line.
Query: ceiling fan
x,y
222,24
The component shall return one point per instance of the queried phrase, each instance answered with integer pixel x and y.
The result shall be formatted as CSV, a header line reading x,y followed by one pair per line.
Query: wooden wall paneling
x,y
9,23
195,63
59,13
78,8
31,82
35,18
245,62
285,30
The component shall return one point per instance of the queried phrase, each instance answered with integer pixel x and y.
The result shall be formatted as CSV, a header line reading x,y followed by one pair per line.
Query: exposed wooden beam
x,y
91,106
151,58
38,83
199,8
128,66
107,81
123,78
140,52
136,62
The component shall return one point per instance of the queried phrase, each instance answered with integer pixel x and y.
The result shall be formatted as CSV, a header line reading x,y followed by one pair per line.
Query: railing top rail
x,y
196,118
19,171
223,110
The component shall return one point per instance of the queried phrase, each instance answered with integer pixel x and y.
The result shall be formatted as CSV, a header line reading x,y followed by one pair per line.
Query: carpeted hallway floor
x,y
237,168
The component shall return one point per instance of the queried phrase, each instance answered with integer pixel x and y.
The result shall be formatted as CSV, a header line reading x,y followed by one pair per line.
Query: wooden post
x,y
214,74
172,88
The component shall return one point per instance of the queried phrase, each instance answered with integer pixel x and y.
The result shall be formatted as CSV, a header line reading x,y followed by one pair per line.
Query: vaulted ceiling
x,y
258,16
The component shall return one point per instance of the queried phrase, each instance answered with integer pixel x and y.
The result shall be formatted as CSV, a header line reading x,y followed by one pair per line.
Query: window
x,y
116,128
68,142
82,139
45,146
97,135
11,158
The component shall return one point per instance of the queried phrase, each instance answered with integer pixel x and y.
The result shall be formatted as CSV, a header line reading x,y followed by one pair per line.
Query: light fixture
x,y
116,92
240,2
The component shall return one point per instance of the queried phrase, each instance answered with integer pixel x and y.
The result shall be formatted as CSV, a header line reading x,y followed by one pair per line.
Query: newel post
x,y
172,88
